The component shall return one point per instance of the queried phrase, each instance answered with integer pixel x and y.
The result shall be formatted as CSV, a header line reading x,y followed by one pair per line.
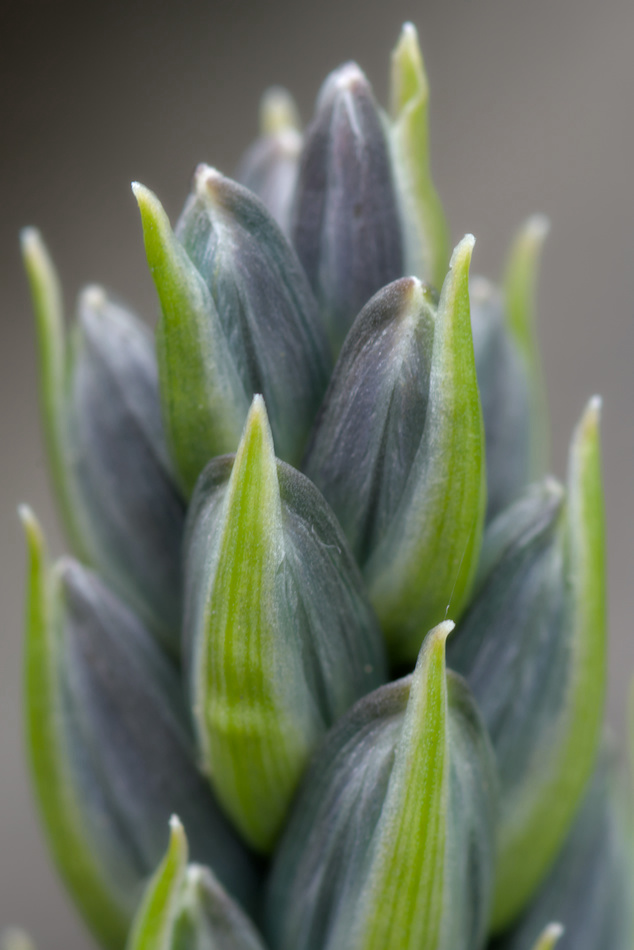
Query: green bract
x,y
333,451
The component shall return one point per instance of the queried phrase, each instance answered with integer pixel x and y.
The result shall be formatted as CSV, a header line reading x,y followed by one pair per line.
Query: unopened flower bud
x,y
281,638
269,168
532,647
186,908
111,747
346,228
108,454
390,842
422,565
238,318
588,887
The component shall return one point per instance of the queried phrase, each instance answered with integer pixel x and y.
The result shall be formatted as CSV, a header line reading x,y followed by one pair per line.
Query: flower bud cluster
x,y
327,669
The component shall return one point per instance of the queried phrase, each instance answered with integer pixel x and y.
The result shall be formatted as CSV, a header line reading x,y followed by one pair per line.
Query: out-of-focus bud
x,y
111,749
390,842
282,639
431,500
102,416
549,937
426,236
269,168
346,227
15,939
588,888
238,318
186,908
532,648
509,372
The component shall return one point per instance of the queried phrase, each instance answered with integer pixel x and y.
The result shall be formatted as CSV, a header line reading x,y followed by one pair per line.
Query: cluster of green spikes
x,y
327,668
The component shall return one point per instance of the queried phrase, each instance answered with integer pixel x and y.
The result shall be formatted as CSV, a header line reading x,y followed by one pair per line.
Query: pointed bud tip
x,y
207,181
176,825
348,77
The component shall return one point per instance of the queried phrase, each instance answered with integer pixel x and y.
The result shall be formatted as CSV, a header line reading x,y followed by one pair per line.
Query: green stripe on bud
x,y
270,166
371,422
532,647
390,842
107,450
110,746
589,885
426,236
186,908
346,230
425,562
281,637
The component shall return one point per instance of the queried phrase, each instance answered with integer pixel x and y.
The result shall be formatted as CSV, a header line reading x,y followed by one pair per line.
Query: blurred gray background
x,y
532,110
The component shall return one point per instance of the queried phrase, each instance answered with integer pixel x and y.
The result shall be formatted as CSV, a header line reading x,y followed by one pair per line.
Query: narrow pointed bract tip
x,y
32,530
176,825
536,228
31,241
555,931
440,633
257,431
590,418
549,937
146,199
278,112
461,256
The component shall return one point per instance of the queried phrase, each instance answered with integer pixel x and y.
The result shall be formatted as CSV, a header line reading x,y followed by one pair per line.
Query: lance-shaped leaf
x,y
426,236
520,291
107,450
390,842
270,166
186,907
346,229
110,746
238,318
532,647
588,888
509,372
283,639
504,394
372,420
425,561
